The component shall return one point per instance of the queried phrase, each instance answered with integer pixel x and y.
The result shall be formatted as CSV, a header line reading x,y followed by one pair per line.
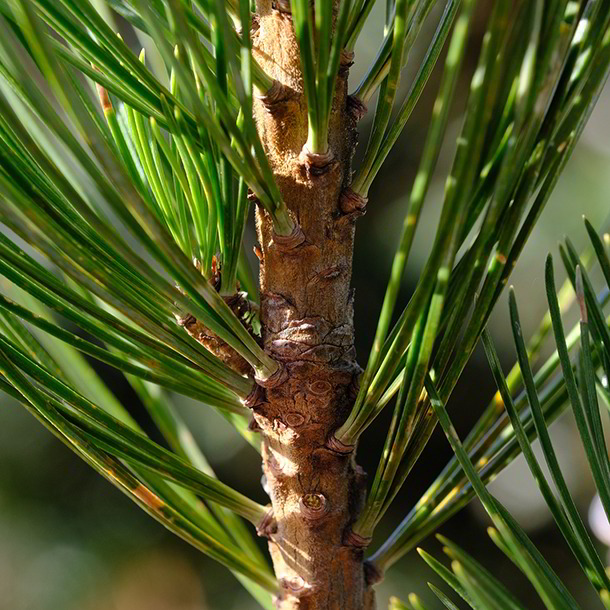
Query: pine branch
x,y
468,578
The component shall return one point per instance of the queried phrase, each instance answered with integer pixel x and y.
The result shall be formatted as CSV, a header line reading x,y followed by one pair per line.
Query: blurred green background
x,y
69,540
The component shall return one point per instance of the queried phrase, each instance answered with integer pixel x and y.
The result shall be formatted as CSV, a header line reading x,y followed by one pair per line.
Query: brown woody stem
x,y
306,317
240,305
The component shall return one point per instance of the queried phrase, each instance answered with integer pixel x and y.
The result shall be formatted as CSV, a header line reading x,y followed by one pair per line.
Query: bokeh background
x,y
69,540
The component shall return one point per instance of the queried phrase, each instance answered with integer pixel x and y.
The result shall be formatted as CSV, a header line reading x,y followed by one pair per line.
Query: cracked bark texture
x,y
307,321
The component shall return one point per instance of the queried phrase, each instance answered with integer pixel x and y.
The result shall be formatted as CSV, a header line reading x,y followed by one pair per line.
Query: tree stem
x,y
306,316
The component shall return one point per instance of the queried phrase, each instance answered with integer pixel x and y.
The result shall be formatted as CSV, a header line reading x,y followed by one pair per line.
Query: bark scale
x,y
307,321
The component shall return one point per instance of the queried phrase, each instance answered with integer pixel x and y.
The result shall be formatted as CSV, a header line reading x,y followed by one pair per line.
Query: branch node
x,y
313,506
357,108
275,463
297,586
255,23
282,6
268,525
186,320
356,540
317,164
240,306
288,243
346,62
279,377
336,446
352,203
275,95
252,198
253,426
320,387
294,420
255,398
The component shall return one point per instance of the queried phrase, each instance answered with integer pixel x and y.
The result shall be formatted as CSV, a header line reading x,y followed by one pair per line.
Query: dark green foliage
x,y
579,376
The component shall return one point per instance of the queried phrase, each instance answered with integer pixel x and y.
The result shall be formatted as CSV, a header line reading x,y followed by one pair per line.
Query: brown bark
x,y
306,315
196,329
